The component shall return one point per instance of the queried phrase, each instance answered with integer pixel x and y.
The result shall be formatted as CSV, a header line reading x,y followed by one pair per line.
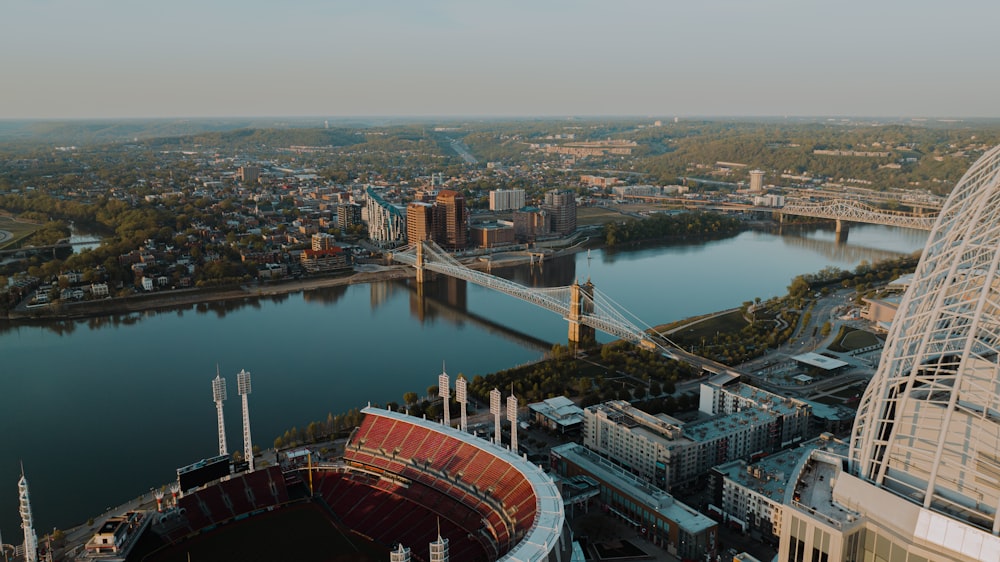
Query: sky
x,y
346,58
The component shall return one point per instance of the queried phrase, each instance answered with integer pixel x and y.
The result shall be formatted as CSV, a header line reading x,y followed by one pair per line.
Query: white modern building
x,y
922,478
752,495
731,396
386,222
506,199
665,451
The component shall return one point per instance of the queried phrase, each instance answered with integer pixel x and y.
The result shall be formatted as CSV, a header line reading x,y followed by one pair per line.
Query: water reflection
x,y
325,295
446,299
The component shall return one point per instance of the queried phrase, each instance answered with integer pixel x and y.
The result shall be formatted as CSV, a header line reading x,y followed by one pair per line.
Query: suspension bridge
x,y
586,308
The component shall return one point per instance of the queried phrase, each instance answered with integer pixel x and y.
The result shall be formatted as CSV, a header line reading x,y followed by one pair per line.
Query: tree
x,y
410,398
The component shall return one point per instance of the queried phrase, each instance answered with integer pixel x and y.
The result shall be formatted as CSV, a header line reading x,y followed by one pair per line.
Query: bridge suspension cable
x,y
603,314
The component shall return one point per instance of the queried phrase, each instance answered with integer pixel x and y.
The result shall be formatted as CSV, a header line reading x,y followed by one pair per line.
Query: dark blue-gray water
x,y
100,411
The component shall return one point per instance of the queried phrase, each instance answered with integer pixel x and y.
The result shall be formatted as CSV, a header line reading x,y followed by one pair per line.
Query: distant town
x,y
259,206
726,437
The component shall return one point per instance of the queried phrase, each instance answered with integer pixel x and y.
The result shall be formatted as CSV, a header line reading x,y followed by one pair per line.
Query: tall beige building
x,y
756,181
419,222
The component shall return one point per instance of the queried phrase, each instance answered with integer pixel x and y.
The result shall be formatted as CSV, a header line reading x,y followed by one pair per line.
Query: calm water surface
x,y
102,410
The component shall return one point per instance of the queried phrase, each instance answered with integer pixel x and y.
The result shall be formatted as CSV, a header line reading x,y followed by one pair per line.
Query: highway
x,y
463,151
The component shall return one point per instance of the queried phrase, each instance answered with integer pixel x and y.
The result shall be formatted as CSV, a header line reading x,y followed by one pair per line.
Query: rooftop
x,y
776,403
770,476
820,361
648,495
720,426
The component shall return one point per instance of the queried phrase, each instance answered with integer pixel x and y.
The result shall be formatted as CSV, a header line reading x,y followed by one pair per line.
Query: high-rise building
x,y
248,174
450,220
531,223
506,199
561,205
922,478
348,215
386,222
756,180
419,222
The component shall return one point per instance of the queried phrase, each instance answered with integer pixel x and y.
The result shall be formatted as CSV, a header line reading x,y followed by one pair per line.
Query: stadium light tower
x,y
175,490
512,416
243,387
219,395
444,391
401,554
462,397
439,548
27,524
495,410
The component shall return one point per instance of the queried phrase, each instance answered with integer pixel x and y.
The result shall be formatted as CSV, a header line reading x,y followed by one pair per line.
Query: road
x,y
463,151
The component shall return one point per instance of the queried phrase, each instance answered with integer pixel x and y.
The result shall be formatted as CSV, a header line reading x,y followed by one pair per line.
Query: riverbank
x,y
363,273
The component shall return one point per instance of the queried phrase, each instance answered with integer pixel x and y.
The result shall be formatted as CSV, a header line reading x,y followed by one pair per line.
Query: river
x,y
101,410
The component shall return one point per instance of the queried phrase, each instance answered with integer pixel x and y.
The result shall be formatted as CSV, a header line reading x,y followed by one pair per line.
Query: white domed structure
x,y
928,426
919,480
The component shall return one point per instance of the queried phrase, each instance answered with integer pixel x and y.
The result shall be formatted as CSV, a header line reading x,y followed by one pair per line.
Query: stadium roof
x,y
820,361
549,515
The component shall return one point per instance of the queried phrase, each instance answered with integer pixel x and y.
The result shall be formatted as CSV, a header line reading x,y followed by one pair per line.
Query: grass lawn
x,y
302,533
18,230
849,339
730,322
587,216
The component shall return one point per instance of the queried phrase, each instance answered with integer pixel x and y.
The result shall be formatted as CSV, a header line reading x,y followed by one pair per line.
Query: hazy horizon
x,y
113,59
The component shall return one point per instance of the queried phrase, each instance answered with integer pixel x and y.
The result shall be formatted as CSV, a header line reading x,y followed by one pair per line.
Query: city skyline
x,y
113,59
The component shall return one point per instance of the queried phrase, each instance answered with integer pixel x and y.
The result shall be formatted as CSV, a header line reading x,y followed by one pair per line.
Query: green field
x,y
302,533
849,339
15,231
587,216
731,322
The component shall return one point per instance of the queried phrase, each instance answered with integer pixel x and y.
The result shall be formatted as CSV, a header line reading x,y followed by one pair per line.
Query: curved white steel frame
x,y
607,316
928,425
855,211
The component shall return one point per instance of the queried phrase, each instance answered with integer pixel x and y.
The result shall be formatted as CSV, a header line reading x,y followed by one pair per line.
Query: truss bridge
x,y
846,210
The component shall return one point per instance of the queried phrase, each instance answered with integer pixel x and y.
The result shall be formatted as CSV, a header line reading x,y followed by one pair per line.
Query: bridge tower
x,y
581,303
421,274
843,228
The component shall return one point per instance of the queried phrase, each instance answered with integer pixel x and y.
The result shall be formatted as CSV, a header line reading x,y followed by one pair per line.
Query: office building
x,y
756,181
506,199
348,215
922,478
561,204
491,234
451,222
248,174
419,222
531,223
